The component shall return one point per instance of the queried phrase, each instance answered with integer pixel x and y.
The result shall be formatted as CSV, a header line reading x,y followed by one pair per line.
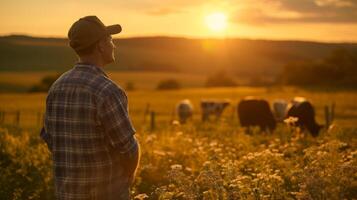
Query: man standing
x,y
87,126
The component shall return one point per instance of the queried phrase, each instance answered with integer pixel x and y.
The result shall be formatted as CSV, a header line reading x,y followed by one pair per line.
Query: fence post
x,y
146,112
17,118
233,112
327,116
332,111
39,117
152,120
173,115
2,117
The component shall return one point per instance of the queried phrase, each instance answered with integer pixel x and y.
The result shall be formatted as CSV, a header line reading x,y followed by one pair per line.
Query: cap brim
x,y
113,29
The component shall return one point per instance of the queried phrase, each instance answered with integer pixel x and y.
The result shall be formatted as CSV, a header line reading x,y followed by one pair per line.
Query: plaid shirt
x,y
88,130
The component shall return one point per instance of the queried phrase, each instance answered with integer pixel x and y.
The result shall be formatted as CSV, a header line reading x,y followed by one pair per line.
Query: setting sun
x,y
216,21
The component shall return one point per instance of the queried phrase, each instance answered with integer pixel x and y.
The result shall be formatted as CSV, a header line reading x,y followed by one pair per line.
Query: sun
x,y
217,21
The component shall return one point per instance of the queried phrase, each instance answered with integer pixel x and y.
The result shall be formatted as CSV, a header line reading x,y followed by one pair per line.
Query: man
x,y
87,126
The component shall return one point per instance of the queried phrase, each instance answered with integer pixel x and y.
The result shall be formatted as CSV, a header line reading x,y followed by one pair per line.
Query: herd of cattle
x,y
257,112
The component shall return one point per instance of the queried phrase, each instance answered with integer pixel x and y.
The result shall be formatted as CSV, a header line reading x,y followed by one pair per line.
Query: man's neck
x,y
91,61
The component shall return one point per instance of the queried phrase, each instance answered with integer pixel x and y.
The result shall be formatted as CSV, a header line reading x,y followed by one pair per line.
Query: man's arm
x,y
114,117
130,161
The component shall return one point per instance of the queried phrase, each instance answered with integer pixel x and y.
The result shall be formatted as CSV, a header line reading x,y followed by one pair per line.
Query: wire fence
x,y
148,118
22,117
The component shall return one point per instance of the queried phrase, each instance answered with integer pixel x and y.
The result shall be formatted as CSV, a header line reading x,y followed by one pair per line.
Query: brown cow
x,y
256,112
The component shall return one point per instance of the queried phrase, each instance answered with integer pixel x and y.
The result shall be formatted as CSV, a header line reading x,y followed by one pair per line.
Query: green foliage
x,y
216,160
25,169
194,56
168,84
338,69
45,83
130,86
220,79
235,167
206,161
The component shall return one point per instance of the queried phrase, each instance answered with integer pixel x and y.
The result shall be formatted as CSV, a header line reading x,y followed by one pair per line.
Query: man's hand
x,y
130,162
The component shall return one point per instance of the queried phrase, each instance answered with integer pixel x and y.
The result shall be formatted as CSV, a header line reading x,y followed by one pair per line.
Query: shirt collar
x,y
95,68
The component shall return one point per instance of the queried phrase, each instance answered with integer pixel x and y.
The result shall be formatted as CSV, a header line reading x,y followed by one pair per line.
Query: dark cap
x,y
89,30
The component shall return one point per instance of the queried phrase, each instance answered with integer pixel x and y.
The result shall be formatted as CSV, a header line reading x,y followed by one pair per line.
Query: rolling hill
x,y
196,56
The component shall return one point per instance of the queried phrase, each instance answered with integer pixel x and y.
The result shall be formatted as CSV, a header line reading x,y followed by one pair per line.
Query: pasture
x,y
164,102
215,160
22,81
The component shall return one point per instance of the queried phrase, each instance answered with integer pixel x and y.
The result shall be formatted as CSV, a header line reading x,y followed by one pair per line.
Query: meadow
x,y
216,160
22,81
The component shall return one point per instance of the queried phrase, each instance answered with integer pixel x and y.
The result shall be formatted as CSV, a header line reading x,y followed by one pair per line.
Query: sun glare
x,y
217,22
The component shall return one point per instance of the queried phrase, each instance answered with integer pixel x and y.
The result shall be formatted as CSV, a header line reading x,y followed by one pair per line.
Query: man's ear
x,y
100,46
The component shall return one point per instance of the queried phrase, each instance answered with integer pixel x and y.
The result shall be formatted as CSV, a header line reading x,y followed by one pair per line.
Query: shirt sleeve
x,y
44,134
46,137
114,117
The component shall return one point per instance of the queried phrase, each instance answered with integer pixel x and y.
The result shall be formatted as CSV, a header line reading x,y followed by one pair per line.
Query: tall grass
x,y
206,161
217,160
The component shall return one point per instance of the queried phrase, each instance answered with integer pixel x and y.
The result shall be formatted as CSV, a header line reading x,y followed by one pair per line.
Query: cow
x,y
279,109
303,110
256,112
213,107
184,110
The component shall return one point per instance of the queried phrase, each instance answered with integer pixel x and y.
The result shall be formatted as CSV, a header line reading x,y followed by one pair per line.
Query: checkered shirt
x,y
87,128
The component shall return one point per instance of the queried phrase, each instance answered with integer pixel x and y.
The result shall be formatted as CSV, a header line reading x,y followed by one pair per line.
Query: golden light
x,y
216,21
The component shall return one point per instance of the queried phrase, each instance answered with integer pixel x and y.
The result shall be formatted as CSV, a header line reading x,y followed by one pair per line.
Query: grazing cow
x,y
279,109
256,112
211,107
184,110
305,114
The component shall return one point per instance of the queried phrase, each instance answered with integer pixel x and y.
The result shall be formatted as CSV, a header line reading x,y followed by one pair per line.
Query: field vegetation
x,y
216,160
24,81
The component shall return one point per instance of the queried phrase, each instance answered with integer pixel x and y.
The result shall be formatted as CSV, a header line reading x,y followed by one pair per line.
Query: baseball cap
x,y
89,30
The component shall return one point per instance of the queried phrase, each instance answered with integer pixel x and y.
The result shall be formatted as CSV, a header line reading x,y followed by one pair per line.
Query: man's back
x,y
87,128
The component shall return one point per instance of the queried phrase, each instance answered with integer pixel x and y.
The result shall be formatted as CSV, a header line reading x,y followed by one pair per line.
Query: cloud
x,y
297,11
258,11
167,7
164,11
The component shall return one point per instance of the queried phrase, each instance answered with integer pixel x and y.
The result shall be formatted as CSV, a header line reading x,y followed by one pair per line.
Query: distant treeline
x,y
337,69
240,57
225,63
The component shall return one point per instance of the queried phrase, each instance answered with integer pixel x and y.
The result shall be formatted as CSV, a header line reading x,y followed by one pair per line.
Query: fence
x,y
148,118
22,118
151,119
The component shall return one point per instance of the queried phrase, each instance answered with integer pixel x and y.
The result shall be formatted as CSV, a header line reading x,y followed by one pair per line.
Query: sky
x,y
313,20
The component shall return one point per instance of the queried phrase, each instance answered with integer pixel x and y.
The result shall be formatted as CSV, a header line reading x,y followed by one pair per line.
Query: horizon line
x,y
188,37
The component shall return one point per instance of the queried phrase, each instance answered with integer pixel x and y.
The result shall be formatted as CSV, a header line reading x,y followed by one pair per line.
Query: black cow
x,y
305,114
256,112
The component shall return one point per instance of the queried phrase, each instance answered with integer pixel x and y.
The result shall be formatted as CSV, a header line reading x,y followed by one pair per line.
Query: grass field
x,y
23,81
163,102
212,161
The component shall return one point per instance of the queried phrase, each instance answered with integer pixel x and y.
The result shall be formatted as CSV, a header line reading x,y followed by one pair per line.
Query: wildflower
x,y
206,164
176,167
291,120
159,153
141,196
188,169
212,144
175,123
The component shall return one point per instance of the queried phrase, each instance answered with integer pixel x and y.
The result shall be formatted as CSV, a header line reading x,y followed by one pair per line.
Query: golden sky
x,y
318,20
